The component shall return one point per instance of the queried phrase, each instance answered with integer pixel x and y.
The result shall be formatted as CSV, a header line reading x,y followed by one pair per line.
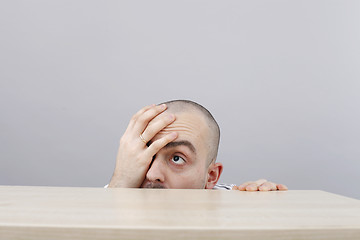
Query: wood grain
x,y
97,213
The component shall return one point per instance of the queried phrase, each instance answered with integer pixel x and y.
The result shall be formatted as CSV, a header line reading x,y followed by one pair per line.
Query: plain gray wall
x,y
281,77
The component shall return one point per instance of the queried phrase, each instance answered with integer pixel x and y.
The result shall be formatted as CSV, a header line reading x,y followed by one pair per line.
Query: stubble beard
x,y
153,185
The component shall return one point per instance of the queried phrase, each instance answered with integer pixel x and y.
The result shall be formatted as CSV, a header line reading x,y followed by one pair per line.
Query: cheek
x,y
190,180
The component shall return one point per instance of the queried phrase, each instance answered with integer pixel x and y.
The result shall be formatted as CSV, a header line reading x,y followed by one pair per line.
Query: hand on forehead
x,y
190,125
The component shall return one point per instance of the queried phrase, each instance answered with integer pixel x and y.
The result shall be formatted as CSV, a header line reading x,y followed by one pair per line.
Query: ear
x,y
213,175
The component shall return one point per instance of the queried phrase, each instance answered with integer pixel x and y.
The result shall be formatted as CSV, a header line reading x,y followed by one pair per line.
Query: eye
x,y
178,160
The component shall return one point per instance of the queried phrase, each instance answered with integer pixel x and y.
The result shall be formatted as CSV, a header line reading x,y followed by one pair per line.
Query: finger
x,y
281,187
252,187
157,124
260,181
272,186
141,111
242,187
235,188
141,121
155,146
267,186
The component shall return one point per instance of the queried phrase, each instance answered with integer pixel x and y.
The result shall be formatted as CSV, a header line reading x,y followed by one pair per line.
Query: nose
x,y
156,173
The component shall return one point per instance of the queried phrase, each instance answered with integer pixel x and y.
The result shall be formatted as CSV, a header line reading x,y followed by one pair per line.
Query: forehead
x,y
190,126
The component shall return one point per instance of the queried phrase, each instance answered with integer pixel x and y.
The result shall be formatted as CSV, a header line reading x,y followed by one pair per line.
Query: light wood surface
x,y
97,213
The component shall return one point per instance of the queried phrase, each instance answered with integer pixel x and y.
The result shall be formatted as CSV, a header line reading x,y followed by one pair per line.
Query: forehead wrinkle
x,y
190,127
181,143
181,125
183,130
185,126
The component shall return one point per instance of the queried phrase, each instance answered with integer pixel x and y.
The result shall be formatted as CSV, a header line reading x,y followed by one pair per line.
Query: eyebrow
x,y
181,143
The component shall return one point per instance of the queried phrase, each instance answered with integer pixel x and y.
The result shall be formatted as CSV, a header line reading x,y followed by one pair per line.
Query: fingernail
x,y
171,117
163,106
173,134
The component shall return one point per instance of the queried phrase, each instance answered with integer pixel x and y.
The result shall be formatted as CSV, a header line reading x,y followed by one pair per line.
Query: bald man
x,y
174,145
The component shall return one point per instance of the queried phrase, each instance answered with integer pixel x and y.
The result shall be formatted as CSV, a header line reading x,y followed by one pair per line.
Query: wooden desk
x,y
97,213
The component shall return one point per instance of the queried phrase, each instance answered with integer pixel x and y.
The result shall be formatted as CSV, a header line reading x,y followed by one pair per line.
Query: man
x,y
174,145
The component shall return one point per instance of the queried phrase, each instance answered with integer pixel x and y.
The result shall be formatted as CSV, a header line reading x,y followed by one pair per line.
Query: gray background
x,y
281,78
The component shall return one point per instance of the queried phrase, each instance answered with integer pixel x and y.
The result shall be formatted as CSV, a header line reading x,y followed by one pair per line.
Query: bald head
x,y
179,106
